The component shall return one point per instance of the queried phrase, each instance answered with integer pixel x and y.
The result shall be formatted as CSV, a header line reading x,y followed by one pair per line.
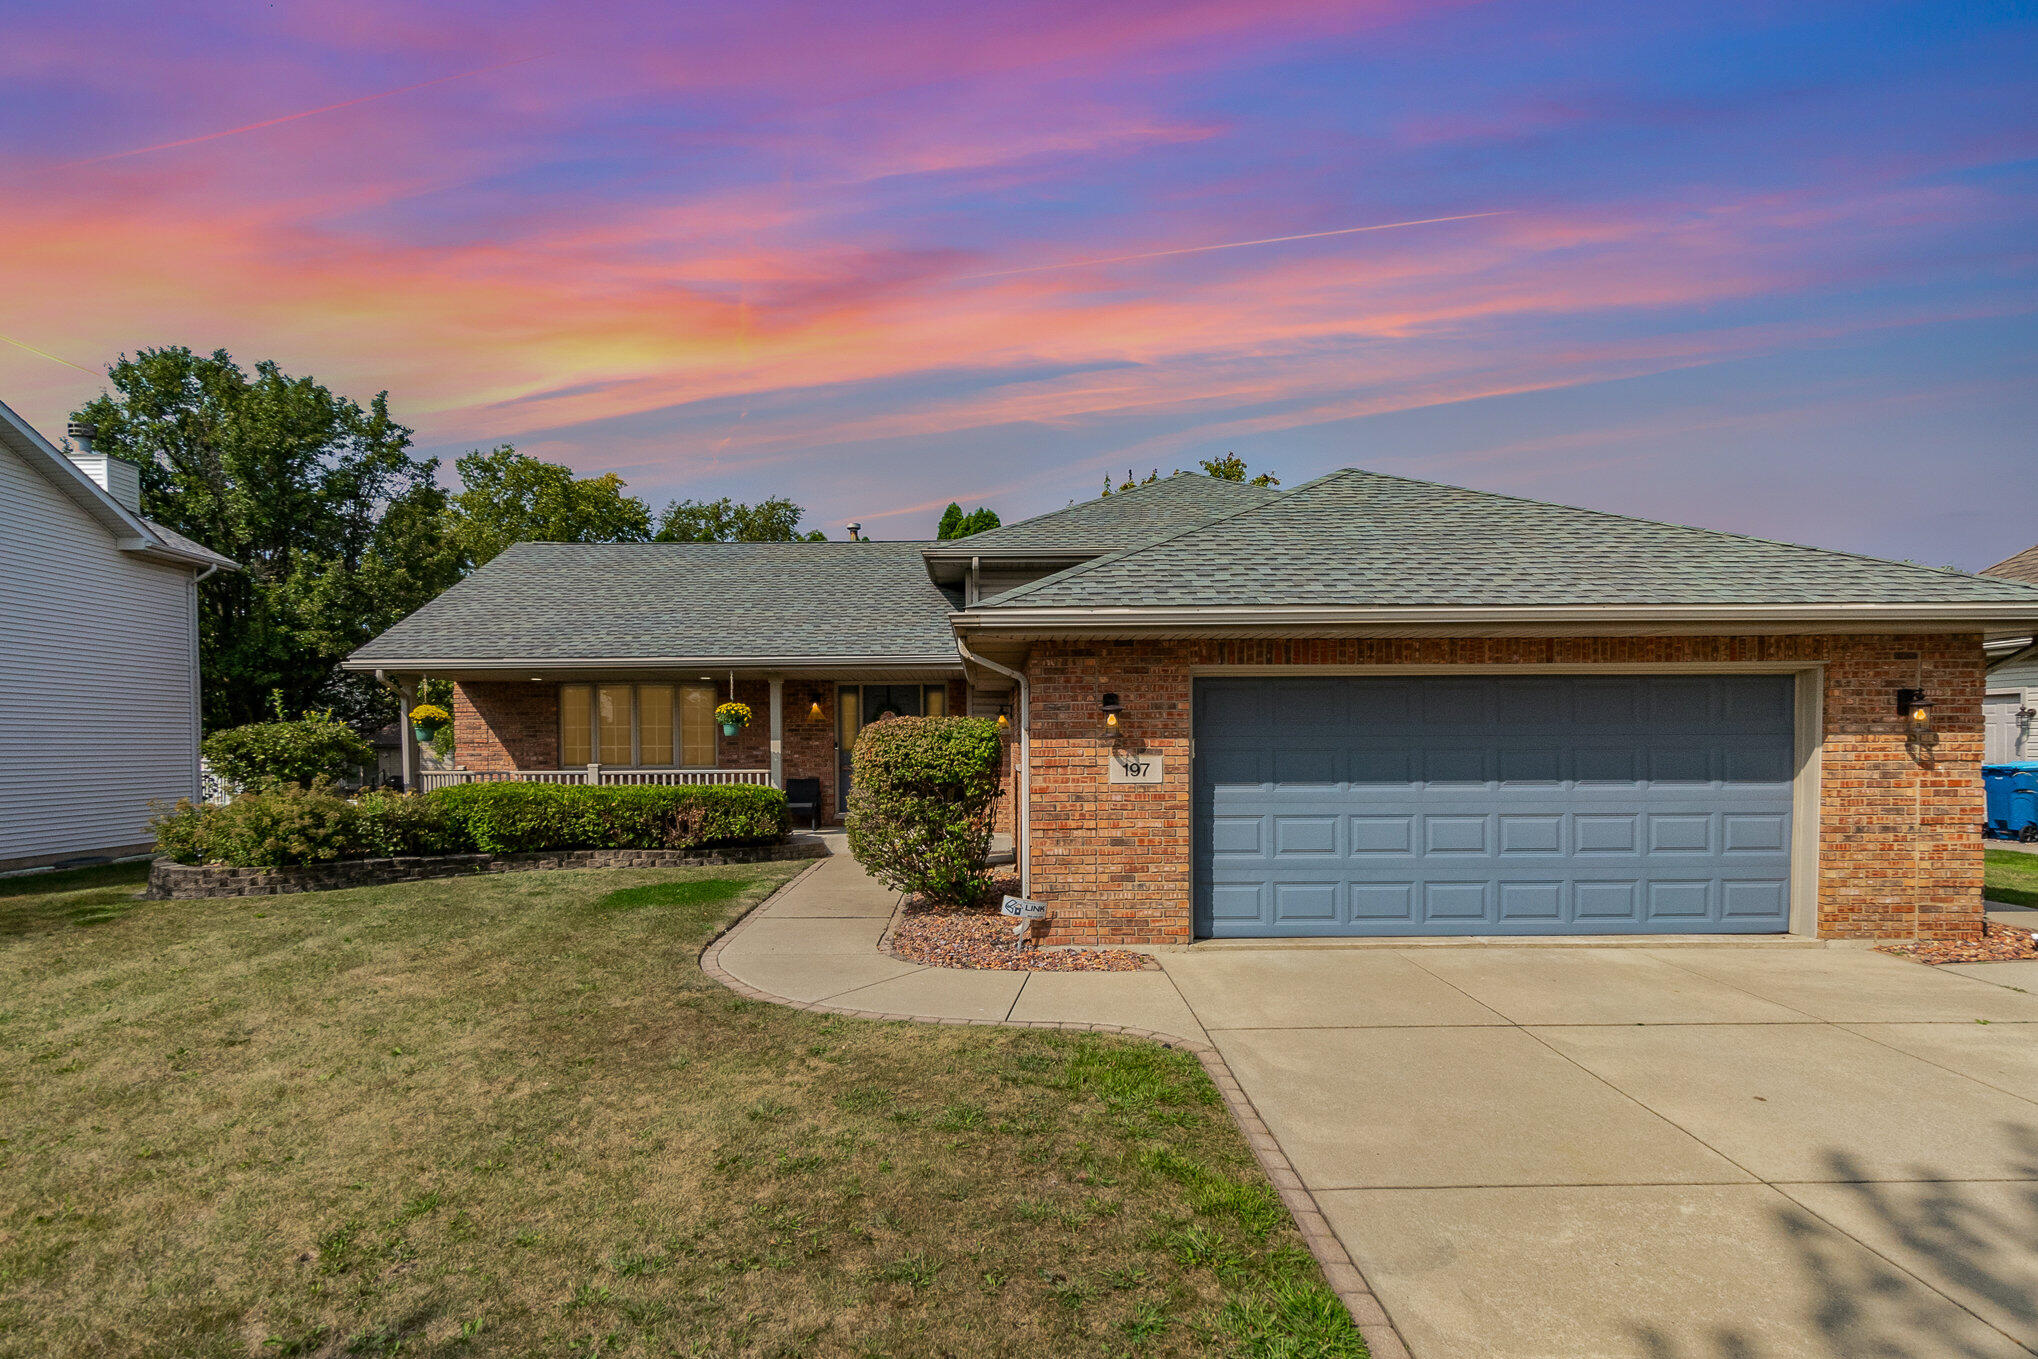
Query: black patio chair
x,y
804,796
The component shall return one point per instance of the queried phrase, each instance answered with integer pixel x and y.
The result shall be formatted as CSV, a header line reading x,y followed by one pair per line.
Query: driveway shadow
x,y
1975,1242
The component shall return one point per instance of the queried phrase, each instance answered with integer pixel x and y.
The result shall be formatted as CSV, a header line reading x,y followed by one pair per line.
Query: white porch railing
x,y
445,778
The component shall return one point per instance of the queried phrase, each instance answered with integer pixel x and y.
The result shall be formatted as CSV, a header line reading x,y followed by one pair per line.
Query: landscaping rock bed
x,y
169,881
1998,943
979,937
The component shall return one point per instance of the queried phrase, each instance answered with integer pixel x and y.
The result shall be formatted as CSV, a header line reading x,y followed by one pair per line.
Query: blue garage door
x,y
1493,805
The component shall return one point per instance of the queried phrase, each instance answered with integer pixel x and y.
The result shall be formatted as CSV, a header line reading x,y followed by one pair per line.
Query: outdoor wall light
x,y
1111,708
1916,707
814,711
1004,722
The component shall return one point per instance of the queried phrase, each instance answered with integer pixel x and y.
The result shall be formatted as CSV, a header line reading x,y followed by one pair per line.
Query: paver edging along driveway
x,y
1383,1341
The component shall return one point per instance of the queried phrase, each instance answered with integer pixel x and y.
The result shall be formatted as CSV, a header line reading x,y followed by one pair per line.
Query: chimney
x,y
117,477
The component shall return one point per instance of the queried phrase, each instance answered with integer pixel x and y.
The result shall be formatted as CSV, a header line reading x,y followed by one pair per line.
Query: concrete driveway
x,y
1752,1151
1732,1152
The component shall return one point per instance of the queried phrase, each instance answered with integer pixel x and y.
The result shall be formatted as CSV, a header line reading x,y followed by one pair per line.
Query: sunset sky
x,y
1763,267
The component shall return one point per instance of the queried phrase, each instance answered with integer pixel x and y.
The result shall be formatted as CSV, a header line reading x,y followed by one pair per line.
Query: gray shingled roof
x,y
1120,520
1360,539
191,547
2023,566
692,601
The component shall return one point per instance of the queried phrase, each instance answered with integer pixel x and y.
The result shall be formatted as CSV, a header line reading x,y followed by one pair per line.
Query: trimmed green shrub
x,y
920,805
283,824
503,818
286,824
315,746
390,824
180,831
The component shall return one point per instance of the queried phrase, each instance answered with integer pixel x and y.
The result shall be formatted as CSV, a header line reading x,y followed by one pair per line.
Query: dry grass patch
x,y
508,1114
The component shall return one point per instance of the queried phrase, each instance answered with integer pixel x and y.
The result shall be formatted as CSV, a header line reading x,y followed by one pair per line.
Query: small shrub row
x,y
286,824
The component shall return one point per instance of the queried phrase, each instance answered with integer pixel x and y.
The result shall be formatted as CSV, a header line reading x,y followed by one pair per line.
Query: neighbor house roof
x,y
130,531
2023,566
1111,523
713,603
1356,540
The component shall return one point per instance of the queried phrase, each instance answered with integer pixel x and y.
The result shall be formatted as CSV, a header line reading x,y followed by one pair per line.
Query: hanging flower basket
x,y
733,717
426,719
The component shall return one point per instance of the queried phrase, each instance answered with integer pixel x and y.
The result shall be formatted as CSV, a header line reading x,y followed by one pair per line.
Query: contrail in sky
x,y
23,344
1238,245
293,117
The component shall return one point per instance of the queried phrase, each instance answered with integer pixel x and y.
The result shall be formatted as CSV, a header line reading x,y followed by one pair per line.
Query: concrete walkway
x,y
1517,1153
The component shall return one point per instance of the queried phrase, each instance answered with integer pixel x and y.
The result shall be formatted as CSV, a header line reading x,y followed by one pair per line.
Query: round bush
x,y
920,806
315,746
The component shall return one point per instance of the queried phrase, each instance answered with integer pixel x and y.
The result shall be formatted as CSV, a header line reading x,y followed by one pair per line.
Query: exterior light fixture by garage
x,y
1916,707
1111,708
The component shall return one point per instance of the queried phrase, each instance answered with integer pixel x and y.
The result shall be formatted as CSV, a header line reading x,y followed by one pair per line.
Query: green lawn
x,y
509,1115
2011,876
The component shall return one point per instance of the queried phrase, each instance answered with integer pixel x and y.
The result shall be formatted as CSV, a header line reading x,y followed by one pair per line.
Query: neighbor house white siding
x,y
98,704
2008,739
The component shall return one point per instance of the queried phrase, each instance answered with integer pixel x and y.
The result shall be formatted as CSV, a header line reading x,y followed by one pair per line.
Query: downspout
x,y
1025,761
197,694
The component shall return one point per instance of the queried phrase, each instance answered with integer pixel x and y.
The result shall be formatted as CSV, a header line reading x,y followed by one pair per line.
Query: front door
x,y
857,706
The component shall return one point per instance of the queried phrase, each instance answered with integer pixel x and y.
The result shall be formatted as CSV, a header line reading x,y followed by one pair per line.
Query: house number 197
x,y
1128,767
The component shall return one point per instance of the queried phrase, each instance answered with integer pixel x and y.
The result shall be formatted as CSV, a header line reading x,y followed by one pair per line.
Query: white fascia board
x,y
815,664
1972,615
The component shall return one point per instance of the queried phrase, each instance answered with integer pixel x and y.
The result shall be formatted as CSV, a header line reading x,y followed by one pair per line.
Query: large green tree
x,y
337,527
510,497
956,524
775,520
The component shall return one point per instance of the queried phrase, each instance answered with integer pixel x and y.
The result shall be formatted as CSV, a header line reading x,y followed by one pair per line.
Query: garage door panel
x,y
1763,833
1305,902
1493,804
1762,899
1542,902
1531,835
1382,901
1680,833
1314,836
1606,901
1457,902
1688,901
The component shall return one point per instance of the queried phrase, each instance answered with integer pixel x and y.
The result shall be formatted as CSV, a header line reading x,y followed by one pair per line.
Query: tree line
x,y
341,529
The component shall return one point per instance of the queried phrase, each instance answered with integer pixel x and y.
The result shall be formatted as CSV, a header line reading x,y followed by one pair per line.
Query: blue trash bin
x,y
2010,796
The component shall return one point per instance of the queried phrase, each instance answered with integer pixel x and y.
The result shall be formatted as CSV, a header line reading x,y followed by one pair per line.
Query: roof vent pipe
x,y
117,477
855,527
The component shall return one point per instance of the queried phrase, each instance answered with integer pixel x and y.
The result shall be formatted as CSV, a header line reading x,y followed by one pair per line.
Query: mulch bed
x,y
1998,944
979,937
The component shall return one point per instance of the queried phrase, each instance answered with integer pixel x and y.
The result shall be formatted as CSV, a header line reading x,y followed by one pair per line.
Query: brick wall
x,y
506,726
1898,850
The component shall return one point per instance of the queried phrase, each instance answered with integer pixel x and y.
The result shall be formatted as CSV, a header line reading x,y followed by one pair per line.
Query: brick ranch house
x,y
1364,706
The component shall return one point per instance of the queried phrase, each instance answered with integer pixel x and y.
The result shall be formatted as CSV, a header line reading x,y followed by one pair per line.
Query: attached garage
x,y
1492,804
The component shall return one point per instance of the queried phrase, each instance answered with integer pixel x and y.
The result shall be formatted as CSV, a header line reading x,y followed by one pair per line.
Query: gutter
x,y
1025,844
1963,615
817,664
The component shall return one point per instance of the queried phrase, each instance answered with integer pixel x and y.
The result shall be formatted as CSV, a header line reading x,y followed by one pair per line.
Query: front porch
x,y
646,727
